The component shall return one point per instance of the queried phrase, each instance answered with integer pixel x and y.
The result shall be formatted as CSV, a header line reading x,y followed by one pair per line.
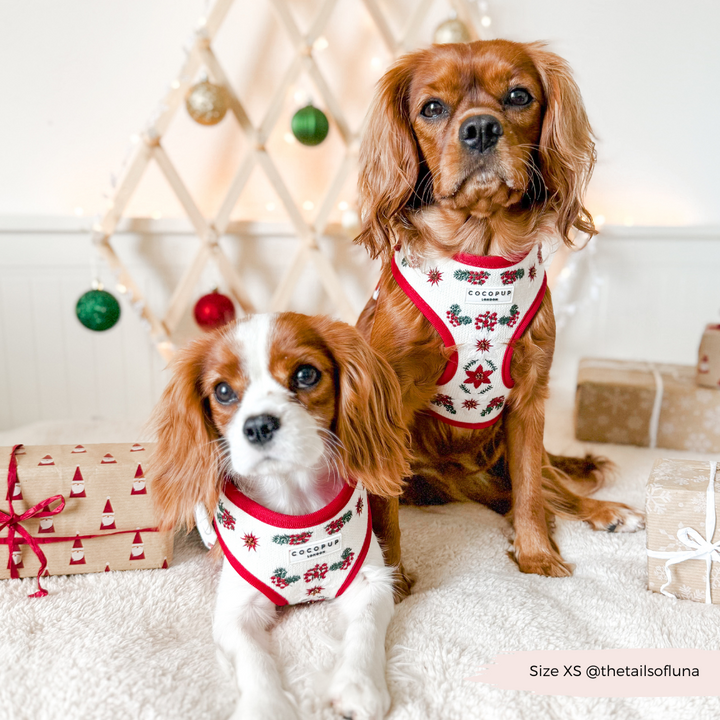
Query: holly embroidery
x,y
336,525
281,579
250,541
359,506
453,315
434,276
347,558
483,345
224,517
297,539
493,405
317,573
510,276
486,321
474,277
511,319
444,401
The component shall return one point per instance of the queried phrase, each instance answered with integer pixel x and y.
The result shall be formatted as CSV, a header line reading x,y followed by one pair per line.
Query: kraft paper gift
x,y
647,404
78,509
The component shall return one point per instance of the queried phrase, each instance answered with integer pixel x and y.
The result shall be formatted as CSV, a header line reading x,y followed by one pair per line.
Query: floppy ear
x,y
389,158
374,442
185,466
567,151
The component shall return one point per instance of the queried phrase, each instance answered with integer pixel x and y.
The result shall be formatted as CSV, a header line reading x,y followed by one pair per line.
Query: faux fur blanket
x,y
138,644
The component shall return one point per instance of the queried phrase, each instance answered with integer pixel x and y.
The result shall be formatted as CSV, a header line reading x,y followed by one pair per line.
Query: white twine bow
x,y
638,367
701,548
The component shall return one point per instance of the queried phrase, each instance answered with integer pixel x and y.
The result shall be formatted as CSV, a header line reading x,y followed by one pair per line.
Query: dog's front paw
x,y
358,697
548,563
402,583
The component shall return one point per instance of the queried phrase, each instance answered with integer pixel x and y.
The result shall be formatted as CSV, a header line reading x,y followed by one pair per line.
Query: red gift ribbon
x,y
13,522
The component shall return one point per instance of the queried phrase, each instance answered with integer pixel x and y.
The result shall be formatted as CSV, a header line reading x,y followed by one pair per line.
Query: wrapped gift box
x,y
648,404
708,367
682,507
104,519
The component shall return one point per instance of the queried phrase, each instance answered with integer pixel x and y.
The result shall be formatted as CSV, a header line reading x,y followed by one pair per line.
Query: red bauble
x,y
214,310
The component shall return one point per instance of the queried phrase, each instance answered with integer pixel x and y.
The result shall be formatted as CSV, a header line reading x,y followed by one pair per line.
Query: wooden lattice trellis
x,y
210,230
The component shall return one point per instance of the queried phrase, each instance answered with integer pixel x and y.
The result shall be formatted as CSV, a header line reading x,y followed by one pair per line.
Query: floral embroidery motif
x,y
455,318
224,517
346,560
474,277
478,377
336,525
483,345
511,276
434,276
486,321
359,506
250,541
281,579
444,401
532,272
511,320
494,404
317,573
298,539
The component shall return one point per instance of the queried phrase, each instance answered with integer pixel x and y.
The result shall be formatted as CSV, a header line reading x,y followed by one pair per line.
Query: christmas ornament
x,y
207,103
97,310
214,310
451,31
310,125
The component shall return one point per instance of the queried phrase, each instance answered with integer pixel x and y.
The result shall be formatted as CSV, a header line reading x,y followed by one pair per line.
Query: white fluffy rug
x,y
138,644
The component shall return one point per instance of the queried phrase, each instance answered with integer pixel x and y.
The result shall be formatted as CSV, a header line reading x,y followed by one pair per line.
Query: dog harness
x,y
480,305
295,559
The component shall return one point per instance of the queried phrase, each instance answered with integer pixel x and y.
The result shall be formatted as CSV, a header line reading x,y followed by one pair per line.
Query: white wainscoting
x,y
643,293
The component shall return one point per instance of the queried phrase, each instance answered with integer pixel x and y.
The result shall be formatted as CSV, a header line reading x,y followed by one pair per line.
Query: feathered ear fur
x,y
185,465
389,159
566,148
374,442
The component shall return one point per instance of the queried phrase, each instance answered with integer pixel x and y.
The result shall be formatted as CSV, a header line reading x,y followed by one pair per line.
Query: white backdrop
x,y
78,78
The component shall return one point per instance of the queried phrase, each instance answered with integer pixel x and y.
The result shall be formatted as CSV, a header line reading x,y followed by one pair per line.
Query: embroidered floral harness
x,y
294,559
481,305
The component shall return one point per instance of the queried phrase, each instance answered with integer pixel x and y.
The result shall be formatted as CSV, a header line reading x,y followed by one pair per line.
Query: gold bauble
x,y
451,31
207,103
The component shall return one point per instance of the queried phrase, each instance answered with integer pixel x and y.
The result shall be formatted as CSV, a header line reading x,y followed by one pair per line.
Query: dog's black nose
x,y
479,133
261,428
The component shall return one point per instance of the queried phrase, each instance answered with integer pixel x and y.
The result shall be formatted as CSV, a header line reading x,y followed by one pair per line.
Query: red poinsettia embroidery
x,y
532,272
470,404
493,405
483,345
359,506
444,401
434,276
250,541
314,591
478,377
317,573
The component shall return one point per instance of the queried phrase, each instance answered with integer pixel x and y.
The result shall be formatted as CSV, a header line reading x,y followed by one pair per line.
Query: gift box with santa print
x,y
78,509
682,506
647,404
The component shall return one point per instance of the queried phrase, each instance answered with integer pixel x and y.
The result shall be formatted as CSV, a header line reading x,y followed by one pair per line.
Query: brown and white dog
x,y
287,417
478,154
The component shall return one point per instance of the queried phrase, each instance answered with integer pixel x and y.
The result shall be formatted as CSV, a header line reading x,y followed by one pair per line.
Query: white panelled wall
x,y
642,293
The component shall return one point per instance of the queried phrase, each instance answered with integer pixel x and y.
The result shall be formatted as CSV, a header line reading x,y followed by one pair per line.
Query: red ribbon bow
x,y
12,522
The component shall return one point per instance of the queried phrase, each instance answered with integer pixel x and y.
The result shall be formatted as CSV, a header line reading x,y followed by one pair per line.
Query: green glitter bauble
x,y
97,310
310,125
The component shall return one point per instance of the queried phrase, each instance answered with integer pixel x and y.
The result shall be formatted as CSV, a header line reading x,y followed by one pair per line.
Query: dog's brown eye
x,y
224,394
518,97
432,109
305,377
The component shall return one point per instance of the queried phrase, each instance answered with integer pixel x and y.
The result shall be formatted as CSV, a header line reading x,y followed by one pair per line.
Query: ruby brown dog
x,y
277,426
473,167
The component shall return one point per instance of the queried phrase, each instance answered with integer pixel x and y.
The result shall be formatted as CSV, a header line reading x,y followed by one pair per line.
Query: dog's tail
x,y
584,475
